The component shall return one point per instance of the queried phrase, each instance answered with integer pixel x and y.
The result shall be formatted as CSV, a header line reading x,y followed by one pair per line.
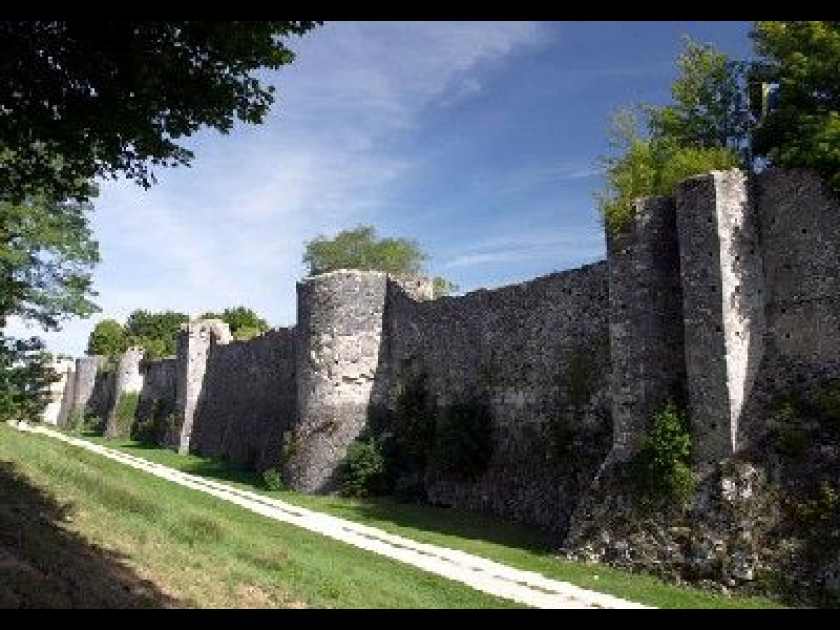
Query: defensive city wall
x,y
718,299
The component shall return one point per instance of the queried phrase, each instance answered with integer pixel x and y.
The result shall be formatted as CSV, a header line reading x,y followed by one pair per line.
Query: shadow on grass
x,y
217,469
42,565
458,523
440,520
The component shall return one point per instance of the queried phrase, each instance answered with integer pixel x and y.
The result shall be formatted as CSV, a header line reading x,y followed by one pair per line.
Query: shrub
x,y
662,467
363,472
273,480
463,444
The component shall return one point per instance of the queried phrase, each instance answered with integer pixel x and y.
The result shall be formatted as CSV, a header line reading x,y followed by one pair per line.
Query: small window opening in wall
x,y
804,230
719,328
737,258
783,310
787,335
709,220
713,426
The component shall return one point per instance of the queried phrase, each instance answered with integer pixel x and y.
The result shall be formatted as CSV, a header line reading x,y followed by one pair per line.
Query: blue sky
x,y
479,140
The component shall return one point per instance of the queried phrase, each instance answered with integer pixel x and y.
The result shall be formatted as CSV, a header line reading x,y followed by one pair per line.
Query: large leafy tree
x,y
108,339
709,107
801,60
84,99
25,376
244,322
361,248
705,127
156,333
46,258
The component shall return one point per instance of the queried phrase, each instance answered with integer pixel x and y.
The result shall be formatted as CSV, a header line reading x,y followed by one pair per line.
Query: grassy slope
x,y
484,535
79,530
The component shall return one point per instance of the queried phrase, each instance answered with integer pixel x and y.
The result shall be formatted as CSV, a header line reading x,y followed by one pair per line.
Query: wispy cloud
x,y
231,229
526,246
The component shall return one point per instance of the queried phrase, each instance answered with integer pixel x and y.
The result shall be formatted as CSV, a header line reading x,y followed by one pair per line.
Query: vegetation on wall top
x,y
361,248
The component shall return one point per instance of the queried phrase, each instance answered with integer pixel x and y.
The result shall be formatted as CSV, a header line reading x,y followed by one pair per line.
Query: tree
x,y
46,258
156,333
244,322
802,128
704,128
361,248
25,377
710,108
108,339
85,99
646,166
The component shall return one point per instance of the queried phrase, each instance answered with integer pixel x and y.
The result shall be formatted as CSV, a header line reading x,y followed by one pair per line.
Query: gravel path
x,y
525,587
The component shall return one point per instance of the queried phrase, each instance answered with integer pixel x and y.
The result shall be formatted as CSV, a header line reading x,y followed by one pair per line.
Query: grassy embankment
x,y
79,530
498,539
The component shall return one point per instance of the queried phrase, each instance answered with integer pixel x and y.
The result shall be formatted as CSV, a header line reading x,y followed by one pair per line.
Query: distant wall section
x,y
248,400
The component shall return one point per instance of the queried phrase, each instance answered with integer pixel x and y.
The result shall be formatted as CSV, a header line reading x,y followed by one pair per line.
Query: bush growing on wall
x,y
662,467
363,471
273,480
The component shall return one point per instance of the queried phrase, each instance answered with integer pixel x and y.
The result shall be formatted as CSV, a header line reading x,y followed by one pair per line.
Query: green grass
x,y
79,530
491,537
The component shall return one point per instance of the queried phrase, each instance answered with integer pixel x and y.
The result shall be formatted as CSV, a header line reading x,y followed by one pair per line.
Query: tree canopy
x,y
361,248
108,339
704,128
801,60
244,322
47,255
156,333
84,99
25,376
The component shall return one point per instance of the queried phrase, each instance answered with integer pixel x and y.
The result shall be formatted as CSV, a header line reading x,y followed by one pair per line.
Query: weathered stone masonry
x,y
718,298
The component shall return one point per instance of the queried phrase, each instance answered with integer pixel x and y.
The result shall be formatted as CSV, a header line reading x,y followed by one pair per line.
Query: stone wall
x,y
60,394
723,306
158,394
519,349
196,340
248,400
800,226
91,393
339,369
128,381
645,321
724,297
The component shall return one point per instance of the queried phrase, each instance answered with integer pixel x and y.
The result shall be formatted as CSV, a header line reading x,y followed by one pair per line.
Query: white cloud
x,y
527,246
231,229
